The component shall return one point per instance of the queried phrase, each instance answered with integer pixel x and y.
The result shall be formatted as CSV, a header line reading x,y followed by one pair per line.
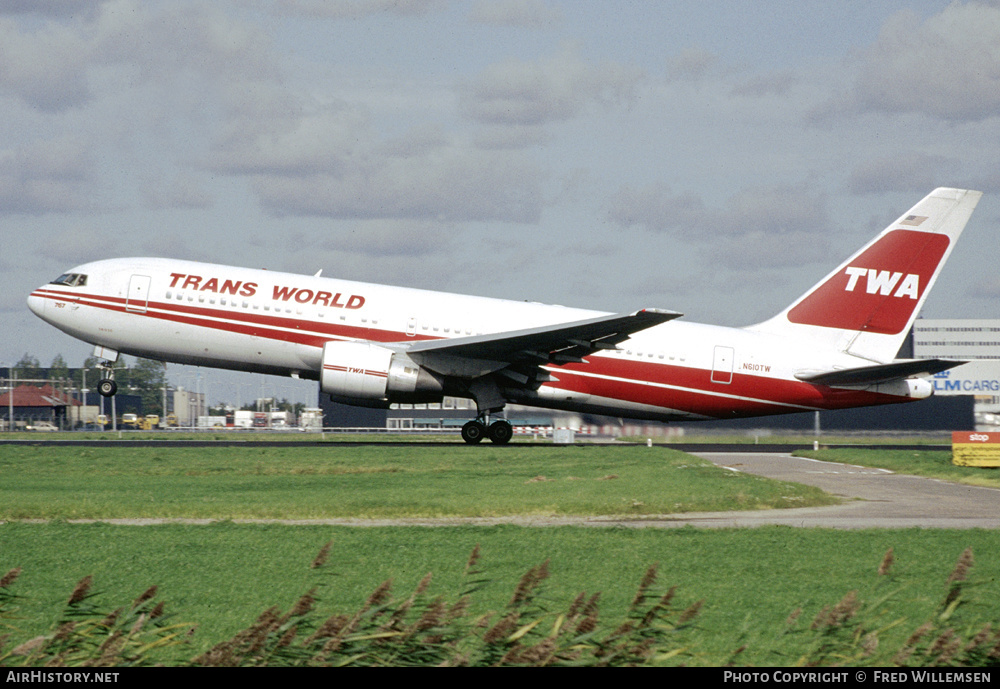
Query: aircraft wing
x,y
560,343
882,373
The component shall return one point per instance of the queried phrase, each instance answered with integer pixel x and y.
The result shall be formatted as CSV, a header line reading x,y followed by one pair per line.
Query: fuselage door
x,y
411,327
138,294
722,365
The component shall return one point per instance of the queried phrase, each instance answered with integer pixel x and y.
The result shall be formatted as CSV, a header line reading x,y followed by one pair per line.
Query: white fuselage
x,y
277,323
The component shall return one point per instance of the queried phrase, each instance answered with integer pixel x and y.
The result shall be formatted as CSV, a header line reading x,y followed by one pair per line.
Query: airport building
x,y
26,406
975,341
188,405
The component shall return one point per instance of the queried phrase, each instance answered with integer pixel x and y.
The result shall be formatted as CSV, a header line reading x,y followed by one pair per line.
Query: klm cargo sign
x,y
974,340
973,378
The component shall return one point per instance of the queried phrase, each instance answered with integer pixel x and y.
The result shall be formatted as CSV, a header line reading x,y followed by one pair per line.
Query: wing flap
x,y
551,344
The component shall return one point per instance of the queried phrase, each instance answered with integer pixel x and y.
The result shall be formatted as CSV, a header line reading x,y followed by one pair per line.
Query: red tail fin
x,y
867,305
878,290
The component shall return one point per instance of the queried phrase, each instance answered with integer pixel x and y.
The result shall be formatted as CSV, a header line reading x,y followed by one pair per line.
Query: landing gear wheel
x,y
473,432
107,387
500,432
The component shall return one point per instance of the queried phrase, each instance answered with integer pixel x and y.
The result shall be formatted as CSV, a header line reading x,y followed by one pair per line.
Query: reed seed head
x,y
501,629
110,649
110,619
29,647
648,579
64,631
423,585
692,611
379,595
460,608
10,577
869,644
846,608
321,557
919,634
529,581
304,604
962,567
473,559
887,561
574,607
981,637
81,590
432,617
146,595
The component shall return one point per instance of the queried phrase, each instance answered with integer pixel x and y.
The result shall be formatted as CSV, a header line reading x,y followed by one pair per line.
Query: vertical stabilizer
x,y
867,305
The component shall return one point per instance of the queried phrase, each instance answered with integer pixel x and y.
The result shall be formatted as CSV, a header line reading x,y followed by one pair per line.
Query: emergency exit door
x,y
722,365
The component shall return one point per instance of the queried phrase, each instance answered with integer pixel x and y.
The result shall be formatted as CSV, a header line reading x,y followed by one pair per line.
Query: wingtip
x,y
664,314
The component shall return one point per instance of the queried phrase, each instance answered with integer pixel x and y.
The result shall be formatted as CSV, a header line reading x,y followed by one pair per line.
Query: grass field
x,y
385,481
918,463
221,576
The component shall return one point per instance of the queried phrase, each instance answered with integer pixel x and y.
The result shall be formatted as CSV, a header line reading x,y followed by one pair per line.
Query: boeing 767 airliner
x,y
373,345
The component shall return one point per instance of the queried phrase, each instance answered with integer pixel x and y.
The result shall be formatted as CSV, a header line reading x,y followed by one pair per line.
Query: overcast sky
x,y
715,158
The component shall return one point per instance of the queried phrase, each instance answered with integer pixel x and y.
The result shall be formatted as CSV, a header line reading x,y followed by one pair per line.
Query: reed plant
x,y
87,635
419,630
532,629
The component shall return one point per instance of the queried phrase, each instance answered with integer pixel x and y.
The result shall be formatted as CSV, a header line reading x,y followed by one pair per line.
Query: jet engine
x,y
368,375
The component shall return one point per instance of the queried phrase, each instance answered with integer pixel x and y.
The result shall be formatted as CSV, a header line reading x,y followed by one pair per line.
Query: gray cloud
x,y
988,288
57,8
911,172
531,93
389,238
691,64
46,68
947,66
453,183
360,9
756,249
767,85
46,176
775,210
760,227
183,191
530,14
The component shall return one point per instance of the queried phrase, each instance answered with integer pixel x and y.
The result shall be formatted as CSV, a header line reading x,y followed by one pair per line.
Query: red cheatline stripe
x,y
659,385
366,372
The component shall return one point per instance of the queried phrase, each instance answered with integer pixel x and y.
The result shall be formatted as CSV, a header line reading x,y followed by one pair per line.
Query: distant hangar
x,y
978,342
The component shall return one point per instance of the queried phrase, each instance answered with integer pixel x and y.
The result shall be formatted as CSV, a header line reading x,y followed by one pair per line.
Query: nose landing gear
x,y
107,387
106,365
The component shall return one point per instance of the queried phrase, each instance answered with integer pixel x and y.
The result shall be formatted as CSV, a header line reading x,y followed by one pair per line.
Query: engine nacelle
x,y
367,374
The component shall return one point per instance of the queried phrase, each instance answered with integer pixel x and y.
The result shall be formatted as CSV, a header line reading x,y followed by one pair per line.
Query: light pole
x,y
12,380
83,393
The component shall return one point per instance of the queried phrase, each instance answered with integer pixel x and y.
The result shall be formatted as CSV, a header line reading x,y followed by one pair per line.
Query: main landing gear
x,y
499,432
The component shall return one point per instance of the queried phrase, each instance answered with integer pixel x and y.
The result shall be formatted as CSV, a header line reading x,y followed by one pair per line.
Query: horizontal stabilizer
x,y
883,373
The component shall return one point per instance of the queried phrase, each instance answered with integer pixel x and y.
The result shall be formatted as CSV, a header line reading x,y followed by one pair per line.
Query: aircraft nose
x,y
36,304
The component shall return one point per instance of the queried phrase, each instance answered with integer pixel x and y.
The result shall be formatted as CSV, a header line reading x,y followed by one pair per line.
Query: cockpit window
x,y
71,280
